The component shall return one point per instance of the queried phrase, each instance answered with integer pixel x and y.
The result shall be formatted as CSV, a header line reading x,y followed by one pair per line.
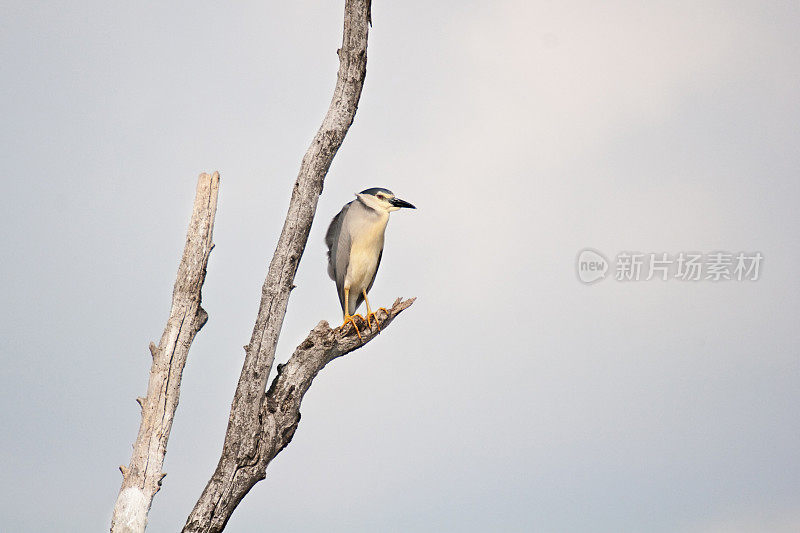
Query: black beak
x,y
397,202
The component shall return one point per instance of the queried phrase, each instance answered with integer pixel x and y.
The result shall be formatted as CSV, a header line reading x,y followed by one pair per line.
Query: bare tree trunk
x,y
237,469
142,477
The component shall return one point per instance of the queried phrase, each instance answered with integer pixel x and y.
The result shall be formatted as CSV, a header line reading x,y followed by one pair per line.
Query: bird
x,y
355,246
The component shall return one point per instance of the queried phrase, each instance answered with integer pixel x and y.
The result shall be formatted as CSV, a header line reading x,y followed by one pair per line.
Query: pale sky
x,y
511,397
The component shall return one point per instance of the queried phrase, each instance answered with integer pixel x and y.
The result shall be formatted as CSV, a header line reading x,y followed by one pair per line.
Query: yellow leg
x,y
371,314
348,318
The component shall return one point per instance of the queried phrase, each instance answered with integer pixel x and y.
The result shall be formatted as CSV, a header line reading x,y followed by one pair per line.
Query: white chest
x,y
365,248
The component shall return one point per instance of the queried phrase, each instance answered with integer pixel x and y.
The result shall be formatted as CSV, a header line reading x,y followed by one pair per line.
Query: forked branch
x,y
281,409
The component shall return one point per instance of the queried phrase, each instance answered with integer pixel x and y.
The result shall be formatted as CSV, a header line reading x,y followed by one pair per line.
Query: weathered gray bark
x,y
246,436
279,413
281,408
142,477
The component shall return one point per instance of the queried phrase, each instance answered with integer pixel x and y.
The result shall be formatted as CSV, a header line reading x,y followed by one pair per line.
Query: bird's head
x,y
382,200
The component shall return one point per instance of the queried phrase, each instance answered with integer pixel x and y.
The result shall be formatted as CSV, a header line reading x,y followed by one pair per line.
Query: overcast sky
x,y
511,396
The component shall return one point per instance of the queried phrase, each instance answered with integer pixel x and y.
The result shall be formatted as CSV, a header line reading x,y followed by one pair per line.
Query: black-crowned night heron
x,y
355,246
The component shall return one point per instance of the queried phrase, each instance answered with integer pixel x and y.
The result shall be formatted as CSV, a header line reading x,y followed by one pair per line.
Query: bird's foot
x,y
371,314
374,316
350,319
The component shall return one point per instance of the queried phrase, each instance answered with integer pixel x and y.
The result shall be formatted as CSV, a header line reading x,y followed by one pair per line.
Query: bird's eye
x,y
381,197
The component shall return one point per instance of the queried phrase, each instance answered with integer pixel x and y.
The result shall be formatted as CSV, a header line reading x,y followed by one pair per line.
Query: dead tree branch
x,y
244,436
281,409
142,477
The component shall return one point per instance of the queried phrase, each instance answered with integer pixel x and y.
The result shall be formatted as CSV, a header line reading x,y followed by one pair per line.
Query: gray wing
x,y
338,251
